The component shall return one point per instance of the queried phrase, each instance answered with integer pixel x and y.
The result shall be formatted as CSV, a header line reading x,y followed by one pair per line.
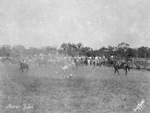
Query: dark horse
x,y
23,66
122,65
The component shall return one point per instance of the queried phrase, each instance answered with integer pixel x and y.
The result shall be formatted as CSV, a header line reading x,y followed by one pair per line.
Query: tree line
x,y
71,49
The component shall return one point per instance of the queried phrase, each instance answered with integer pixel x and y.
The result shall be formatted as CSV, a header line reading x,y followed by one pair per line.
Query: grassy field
x,y
91,90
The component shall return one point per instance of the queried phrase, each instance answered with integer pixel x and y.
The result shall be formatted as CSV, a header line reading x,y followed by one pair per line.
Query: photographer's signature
x,y
24,107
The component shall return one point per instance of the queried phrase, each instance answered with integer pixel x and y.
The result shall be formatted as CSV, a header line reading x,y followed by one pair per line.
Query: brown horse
x,y
23,66
122,65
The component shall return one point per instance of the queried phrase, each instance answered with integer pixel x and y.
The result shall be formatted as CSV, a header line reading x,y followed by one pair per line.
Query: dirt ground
x,y
91,90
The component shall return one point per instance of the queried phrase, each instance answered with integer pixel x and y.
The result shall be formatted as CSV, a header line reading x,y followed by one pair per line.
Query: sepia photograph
x,y
74,56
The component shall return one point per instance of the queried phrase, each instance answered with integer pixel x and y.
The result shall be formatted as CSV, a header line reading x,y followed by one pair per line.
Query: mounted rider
x,y
123,62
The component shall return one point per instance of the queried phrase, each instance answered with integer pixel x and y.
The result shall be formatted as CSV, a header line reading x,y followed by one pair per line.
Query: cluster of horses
x,y
83,61
41,61
99,61
25,66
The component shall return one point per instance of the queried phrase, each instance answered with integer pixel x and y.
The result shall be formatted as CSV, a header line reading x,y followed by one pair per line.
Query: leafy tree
x,y
130,53
143,52
123,45
33,51
85,51
18,51
110,50
5,50
64,46
79,45
71,48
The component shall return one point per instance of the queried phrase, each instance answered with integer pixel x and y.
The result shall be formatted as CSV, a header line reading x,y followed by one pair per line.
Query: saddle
x,y
123,64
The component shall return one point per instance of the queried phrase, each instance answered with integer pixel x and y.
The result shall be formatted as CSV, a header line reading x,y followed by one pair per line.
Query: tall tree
x,y
142,52
6,50
123,45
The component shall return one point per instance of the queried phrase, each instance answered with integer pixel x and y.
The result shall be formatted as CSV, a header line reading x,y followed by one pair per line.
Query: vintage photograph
x,y
74,56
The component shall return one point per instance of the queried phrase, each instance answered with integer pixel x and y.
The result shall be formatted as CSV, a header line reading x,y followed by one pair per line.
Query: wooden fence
x,y
144,63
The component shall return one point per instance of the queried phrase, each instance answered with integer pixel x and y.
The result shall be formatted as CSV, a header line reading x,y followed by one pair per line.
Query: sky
x,y
94,23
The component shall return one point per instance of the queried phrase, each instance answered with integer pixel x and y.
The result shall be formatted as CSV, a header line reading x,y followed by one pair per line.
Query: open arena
x,y
90,90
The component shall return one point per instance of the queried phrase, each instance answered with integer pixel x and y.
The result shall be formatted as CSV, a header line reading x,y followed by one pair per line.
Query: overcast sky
x,y
94,23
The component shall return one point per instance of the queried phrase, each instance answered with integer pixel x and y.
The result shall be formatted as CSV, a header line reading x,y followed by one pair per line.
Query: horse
x,y
122,65
23,66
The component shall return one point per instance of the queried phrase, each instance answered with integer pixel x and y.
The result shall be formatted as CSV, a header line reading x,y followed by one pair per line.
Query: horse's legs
x,y
116,70
126,73
125,69
128,68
